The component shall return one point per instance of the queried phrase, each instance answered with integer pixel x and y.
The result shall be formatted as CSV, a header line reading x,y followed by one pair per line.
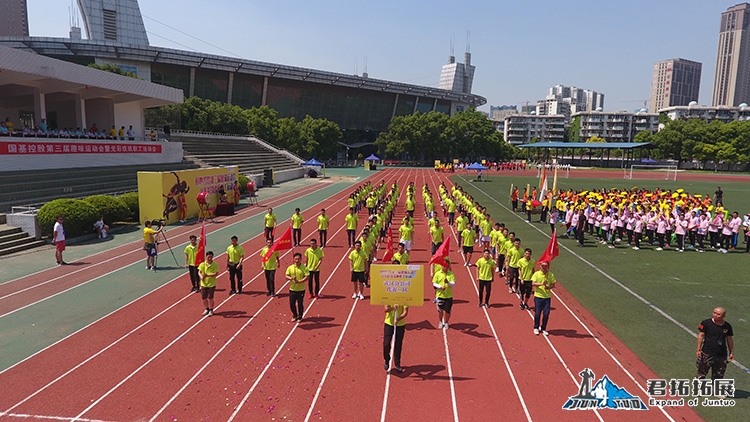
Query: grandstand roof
x,y
592,145
63,47
21,70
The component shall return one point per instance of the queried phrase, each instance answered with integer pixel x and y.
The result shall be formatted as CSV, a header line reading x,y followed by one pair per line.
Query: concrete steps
x,y
13,240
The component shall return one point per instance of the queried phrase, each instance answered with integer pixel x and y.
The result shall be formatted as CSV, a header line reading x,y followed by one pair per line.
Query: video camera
x,y
159,223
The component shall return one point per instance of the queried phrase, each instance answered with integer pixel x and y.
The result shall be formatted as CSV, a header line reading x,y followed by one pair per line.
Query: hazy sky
x,y
520,47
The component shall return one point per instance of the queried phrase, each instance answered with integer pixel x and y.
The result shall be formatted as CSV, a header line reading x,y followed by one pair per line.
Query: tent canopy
x,y
476,166
312,162
372,157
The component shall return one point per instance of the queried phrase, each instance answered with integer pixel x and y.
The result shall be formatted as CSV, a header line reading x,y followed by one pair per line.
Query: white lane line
x,y
47,417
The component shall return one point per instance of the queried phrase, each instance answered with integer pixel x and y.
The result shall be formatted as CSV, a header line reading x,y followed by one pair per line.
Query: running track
x,y
158,359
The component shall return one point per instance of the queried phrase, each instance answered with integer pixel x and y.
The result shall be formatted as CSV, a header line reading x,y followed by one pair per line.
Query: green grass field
x,y
684,286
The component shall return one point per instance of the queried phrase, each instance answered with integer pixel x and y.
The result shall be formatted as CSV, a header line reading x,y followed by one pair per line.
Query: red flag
x,y
388,255
200,255
281,244
552,250
441,253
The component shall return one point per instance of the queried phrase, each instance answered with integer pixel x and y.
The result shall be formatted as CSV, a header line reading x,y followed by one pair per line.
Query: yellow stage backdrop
x,y
396,284
161,194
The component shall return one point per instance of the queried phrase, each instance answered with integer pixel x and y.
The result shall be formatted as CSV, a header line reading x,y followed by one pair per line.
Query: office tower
x,y
14,18
675,82
732,76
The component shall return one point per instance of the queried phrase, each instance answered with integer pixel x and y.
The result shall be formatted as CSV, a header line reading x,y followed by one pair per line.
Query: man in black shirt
x,y
713,339
719,196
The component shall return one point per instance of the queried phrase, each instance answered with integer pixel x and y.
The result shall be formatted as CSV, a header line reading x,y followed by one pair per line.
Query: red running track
x,y
157,359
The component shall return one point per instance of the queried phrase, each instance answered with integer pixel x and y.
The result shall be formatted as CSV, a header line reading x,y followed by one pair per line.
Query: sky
x,y
520,48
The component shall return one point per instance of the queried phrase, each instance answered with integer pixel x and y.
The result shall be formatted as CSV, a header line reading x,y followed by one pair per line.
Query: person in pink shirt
x,y
680,229
703,223
606,226
735,223
713,230
725,241
661,230
640,221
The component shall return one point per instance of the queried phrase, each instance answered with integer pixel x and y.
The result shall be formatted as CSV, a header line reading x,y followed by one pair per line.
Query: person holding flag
x,y
443,282
270,258
191,250
543,281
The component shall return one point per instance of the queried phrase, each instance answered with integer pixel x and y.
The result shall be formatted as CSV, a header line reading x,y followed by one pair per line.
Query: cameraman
x,y
149,236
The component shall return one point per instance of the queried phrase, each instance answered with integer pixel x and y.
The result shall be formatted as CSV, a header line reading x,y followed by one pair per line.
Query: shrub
x,y
243,180
131,201
113,209
79,215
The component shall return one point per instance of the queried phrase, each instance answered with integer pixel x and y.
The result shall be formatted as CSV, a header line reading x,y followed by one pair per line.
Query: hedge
x,y
113,209
131,201
79,216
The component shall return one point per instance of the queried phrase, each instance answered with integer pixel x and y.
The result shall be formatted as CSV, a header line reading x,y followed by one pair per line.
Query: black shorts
x,y
445,305
207,292
468,249
359,277
525,289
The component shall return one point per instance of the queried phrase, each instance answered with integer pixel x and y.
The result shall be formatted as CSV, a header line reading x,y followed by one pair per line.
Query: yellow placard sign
x,y
484,162
437,163
396,284
455,161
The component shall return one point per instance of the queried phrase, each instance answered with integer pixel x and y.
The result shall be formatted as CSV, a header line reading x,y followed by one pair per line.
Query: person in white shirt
x,y
101,228
58,236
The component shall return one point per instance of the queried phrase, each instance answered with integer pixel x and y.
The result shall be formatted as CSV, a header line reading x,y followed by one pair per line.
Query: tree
x,y
574,131
596,140
320,137
262,122
113,69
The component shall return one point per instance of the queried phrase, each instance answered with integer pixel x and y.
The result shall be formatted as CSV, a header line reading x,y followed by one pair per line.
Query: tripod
x,y
164,236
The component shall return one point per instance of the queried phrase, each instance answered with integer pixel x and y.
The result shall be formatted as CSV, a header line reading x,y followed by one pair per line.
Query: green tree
x,y
574,131
596,140
262,122
320,138
113,69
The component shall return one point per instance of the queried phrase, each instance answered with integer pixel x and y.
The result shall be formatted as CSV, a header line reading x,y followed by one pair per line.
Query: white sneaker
x,y
659,249
440,325
510,290
545,332
536,331
361,296
445,326
724,251
635,248
354,296
611,246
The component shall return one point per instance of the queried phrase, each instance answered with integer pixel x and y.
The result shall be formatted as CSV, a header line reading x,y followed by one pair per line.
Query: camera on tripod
x,y
159,223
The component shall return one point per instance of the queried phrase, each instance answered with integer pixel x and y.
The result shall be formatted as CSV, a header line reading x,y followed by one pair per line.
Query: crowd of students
x,y
7,128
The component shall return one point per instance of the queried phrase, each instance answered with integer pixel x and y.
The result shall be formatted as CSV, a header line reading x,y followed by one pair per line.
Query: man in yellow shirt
x,y
296,275
526,268
462,221
149,237
269,268
323,221
235,256
485,274
443,282
468,238
401,256
406,231
395,322
269,221
543,281
436,235
191,251
357,261
351,226
313,259
297,220
208,271
512,255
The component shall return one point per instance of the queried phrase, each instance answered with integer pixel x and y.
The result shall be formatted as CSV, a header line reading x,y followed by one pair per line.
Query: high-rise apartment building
x,y
14,18
732,76
457,77
676,82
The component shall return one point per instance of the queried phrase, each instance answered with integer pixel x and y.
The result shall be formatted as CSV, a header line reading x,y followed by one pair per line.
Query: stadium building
x,y
358,104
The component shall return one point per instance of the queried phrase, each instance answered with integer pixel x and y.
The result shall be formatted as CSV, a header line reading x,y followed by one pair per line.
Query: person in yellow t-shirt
x,y
313,258
149,237
357,261
269,268
443,282
512,255
395,323
191,251
297,220
436,236
543,281
351,226
468,238
401,256
323,221
269,221
208,270
485,273
526,268
235,255
297,275
406,231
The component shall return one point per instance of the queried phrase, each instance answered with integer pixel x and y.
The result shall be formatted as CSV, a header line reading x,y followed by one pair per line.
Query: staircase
x,y
12,240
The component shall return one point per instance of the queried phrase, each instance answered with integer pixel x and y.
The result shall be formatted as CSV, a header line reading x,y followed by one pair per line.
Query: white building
x,y
619,126
526,128
708,113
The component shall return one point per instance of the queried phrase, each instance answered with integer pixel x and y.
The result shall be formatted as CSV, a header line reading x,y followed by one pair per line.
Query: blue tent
x,y
372,157
476,166
312,162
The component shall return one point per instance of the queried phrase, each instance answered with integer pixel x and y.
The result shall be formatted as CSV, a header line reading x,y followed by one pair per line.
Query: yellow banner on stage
x,y
396,284
172,196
